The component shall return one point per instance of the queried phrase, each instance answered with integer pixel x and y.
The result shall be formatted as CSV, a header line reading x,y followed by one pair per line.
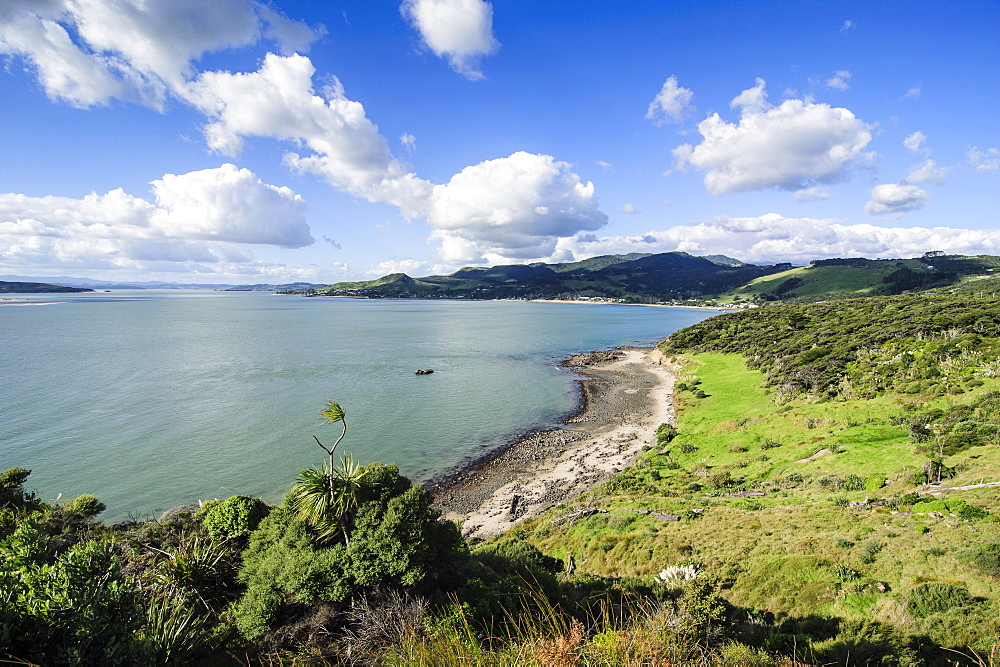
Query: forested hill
x,y
634,277
677,276
37,288
857,346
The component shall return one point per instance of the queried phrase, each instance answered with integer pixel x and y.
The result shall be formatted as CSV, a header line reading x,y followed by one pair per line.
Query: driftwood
x,y
960,488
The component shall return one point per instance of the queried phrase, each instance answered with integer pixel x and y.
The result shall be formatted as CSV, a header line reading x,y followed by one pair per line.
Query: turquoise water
x,y
150,399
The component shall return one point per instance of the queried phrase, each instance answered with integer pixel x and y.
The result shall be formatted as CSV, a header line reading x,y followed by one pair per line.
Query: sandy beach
x,y
626,395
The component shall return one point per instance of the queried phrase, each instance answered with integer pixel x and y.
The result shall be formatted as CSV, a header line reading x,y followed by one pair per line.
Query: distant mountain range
x,y
676,276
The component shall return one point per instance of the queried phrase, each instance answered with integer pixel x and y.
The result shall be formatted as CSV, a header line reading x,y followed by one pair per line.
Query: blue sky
x,y
241,142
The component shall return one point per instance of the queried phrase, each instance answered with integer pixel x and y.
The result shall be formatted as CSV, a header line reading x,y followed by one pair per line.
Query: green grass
x,y
788,550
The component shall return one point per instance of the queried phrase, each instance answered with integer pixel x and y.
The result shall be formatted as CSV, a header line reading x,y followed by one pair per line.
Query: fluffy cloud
x,y
511,208
895,199
459,30
629,208
411,267
776,238
793,146
983,161
670,103
131,49
278,101
194,218
927,172
839,80
915,142
810,194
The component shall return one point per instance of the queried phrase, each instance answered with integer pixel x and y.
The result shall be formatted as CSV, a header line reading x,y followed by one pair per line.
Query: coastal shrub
x,y
854,483
85,506
12,493
688,449
874,482
845,573
665,433
394,541
869,551
770,444
986,558
74,608
971,512
234,517
934,597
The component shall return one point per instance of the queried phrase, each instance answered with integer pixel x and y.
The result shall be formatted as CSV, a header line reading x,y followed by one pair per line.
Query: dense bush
x,y
934,597
858,346
986,557
234,517
395,542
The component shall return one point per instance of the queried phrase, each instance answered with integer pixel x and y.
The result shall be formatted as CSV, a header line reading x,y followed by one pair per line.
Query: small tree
x,y
332,414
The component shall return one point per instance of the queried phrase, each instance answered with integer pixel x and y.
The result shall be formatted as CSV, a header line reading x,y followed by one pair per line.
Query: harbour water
x,y
153,398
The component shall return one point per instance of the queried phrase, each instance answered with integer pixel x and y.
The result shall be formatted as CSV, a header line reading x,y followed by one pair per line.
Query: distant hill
x,y
261,287
634,278
826,279
37,288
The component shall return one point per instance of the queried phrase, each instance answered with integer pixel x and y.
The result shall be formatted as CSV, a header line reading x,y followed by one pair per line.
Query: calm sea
x,y
150,399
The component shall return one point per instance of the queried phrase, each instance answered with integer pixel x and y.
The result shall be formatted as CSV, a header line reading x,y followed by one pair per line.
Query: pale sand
x,y
624,402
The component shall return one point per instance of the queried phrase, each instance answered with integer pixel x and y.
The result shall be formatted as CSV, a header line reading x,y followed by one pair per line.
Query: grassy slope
x,y
824,281
786,551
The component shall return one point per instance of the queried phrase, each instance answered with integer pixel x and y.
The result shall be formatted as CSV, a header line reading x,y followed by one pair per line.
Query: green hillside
x,y
678,277
817,491
631,278
857,277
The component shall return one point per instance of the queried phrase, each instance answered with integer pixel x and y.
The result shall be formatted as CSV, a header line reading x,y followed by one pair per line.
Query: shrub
x,y
688,449
986,557
85,506
854,483
844,544
845,573
394,541
869,551
971,513
665,433
234,517
770,444
874,482
934,597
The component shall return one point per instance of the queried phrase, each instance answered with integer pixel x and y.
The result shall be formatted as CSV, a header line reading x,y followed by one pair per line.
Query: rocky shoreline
x,y
625,395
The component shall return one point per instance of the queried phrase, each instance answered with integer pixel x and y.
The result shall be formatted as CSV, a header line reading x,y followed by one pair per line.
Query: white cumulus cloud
x,y
839,80
776,238
411,267
927,172
915,142
895,199
670,103
459,30
199,217
793,146
810,194
278,101
87,52
983,161
511,208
